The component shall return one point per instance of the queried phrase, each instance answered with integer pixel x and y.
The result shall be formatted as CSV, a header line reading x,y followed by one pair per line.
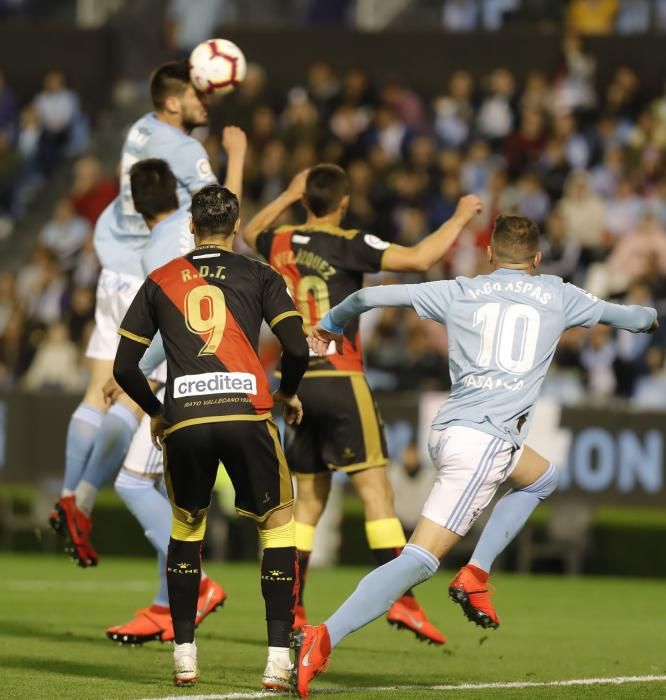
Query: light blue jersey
x,y
169,239
120,233
503,329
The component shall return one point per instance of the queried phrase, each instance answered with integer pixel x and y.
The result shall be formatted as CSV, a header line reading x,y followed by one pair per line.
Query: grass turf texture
x,y
53,617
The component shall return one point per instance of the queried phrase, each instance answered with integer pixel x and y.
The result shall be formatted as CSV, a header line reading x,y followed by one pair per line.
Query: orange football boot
x,y
211,597
66,519
472,593
154,623
406,613
312,648
150,624
300,617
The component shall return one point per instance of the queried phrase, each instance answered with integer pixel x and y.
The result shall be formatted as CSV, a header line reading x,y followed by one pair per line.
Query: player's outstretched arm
x,y
331,326
234,142
431,249
584,309
637,319
264,218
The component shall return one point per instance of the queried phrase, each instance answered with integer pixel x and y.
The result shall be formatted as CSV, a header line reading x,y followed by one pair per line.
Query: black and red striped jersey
x,y
209,306
322,265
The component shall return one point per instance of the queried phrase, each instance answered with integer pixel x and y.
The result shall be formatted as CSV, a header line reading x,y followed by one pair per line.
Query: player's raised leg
x,y
374,595
471,466
386,539
312,490
66,518
533,480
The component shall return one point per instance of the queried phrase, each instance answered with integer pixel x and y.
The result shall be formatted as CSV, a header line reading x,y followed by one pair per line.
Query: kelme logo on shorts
x,y
214,383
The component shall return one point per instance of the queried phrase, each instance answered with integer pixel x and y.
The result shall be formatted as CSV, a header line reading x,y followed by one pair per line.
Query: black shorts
x,y
341,429
252,455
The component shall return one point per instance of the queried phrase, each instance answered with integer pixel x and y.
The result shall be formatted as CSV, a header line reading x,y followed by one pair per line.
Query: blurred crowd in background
x,y
584,16
588,165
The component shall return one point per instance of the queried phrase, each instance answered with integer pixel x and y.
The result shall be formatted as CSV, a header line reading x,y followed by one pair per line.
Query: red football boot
x,y
471,591
150,624
312,649
408,614
75,526
300,617
211,597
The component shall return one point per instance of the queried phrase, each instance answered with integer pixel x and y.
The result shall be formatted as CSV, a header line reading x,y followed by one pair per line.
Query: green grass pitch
x,y
53,617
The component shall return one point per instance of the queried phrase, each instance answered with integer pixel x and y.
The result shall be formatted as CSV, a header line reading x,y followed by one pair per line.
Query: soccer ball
x,y
217,66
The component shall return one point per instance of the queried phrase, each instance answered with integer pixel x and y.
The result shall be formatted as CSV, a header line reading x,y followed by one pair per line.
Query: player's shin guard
x,y
386,539
111,444
509,516
83,426
375,594
279,582
151,508
183,578
304,543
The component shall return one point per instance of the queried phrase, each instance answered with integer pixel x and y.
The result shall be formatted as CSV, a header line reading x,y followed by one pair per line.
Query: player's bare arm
x,y
266,216
234,142
431,249
330,328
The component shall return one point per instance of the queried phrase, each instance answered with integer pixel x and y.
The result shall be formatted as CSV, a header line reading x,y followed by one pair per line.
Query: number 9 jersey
x,y
209,306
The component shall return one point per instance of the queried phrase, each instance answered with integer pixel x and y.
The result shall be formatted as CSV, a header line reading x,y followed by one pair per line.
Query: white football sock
x,y
279,656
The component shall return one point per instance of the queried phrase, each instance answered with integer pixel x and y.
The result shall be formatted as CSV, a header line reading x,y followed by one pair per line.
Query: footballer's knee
x,y
531,466
375,491
188,527
279,532
545,485
311,497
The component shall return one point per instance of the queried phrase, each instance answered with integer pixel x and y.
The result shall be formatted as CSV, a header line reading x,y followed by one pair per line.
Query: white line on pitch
x,y
76,586
619,680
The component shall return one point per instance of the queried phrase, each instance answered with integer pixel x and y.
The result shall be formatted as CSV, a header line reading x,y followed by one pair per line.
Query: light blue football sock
x,y
377,592
509,516
111,444
149,505
83,426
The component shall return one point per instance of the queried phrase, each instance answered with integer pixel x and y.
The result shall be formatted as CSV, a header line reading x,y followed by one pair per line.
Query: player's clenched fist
x,y
293,409
468,207
233,139
296,187
320,340
157,428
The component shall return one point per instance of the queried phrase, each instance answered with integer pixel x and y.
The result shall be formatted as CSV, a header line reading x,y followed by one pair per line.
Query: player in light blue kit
x,y
97,439
503,329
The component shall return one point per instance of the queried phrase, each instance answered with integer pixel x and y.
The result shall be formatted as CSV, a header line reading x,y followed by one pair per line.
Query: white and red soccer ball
x,y
217,66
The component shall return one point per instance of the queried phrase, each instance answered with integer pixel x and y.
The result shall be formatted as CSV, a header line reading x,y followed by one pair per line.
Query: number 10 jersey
x,y
503,330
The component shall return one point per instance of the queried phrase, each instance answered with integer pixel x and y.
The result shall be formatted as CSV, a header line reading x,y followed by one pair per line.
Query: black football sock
x,y
303,562
183,579
279,586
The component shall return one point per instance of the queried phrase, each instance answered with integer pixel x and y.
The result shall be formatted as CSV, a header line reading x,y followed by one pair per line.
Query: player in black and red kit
x,y
209,306
322,264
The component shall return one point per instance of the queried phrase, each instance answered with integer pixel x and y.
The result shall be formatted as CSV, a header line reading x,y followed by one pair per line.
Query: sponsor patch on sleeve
x,y
375,242
203,168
